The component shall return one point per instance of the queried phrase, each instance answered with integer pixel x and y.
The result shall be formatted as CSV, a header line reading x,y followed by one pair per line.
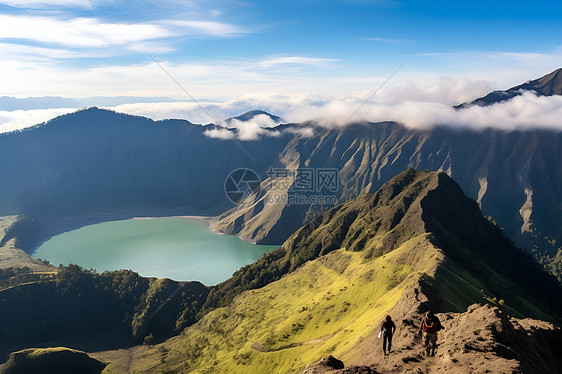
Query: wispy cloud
x,y
32,75
205,27
224,134
76,32
93,32
295,60
388,40
30,53
47,3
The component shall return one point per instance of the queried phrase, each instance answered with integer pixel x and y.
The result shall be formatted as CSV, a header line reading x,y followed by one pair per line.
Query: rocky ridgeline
x,y
481,340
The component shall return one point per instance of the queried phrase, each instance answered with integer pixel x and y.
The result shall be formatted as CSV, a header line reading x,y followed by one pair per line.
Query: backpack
x,y
429,326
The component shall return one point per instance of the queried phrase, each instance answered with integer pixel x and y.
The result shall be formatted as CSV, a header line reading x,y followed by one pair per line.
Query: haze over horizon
x,y
296,59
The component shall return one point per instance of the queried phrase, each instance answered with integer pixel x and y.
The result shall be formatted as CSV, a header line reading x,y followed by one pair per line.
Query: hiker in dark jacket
x,y
387,329
429,326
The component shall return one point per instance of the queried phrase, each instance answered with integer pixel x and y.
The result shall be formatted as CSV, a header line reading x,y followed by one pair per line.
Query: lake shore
x,y
31,233
209,220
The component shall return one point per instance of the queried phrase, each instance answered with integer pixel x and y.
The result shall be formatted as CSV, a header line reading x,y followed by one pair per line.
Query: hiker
x,y
387,329
429,327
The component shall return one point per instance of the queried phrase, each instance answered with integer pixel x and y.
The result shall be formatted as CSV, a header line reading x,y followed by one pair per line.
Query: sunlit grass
x,y
325,307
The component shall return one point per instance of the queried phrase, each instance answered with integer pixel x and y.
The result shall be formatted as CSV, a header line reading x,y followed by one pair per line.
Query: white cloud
x,y
445,90
525,111
19,119
76,32
504,68
223,134
254,128
296,60
95,33
334,109
37,76
47,3
386,40
28,54
211,28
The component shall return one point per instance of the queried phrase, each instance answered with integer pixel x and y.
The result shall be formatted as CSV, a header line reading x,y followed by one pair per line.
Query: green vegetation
x,y
51,361
11,277
374,223
416,243
479,256
80,305
328,286
325,307
555,265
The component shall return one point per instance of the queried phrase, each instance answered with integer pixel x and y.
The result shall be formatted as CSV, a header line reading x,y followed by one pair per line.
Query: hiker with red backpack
x,y
429,327
387,329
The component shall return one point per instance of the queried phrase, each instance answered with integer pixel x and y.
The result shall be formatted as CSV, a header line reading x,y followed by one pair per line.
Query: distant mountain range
x,y
95,165
550,84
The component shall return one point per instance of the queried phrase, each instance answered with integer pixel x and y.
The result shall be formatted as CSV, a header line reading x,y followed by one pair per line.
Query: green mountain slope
x,y
510,174
417,243
79,308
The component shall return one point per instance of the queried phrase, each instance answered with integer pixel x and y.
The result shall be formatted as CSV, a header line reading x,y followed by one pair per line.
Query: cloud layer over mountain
x,y
410,105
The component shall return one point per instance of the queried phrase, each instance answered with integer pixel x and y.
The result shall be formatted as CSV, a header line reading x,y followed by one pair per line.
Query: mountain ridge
x,y
547,85
418,243
361,225
500,170
324,291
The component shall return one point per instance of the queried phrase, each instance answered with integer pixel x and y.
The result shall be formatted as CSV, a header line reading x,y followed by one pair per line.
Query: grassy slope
x,y
11,256
325,307
95,311
337,298
5,223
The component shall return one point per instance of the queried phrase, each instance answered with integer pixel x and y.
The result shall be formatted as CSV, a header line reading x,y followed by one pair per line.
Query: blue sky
x,y
225,49
316,39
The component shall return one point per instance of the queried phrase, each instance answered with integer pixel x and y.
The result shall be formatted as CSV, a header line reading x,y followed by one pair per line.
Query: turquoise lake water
x,y
176,248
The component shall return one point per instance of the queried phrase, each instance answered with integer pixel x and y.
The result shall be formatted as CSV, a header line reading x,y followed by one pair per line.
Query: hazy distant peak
x,y
254,113
548,85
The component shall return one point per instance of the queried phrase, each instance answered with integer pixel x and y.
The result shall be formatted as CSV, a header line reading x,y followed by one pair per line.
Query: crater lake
x,y
178,248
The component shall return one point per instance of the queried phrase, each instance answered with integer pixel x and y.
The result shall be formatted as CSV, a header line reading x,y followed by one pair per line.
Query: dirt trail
x,y
481,340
